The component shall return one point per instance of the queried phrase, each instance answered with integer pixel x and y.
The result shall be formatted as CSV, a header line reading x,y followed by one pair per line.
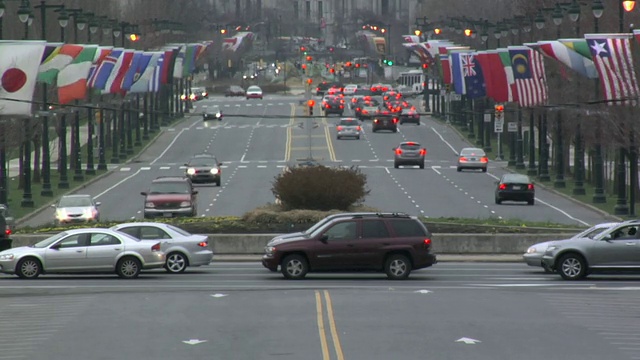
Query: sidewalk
x,y
14,164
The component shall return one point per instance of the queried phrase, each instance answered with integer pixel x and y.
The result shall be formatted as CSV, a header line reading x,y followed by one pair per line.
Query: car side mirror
x,y
607,237
98,203
144,193
55,246
195,192
324,238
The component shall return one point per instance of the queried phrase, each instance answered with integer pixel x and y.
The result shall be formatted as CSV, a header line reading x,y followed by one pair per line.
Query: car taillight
x,y
359,128
341,106
530,187
502,186
376,121
427,243
156,247
423,152
364,111
203,244
7,231
395,120
339,128
484,159
463,159
327,106
357,109
398,152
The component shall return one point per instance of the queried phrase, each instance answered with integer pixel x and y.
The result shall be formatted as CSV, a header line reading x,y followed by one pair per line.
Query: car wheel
x,y
484,169
530,202
397,267
128,267
572,267
294,267
176,263
395,165
422,166
28,268
218,183
498,201
418,123
395,130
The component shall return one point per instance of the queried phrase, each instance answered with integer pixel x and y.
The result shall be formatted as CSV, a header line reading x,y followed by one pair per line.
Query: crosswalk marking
x,y
125,169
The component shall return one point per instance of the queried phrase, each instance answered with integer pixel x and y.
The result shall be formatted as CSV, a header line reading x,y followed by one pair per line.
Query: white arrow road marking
x,y
218,295
468,341
423,291
193,341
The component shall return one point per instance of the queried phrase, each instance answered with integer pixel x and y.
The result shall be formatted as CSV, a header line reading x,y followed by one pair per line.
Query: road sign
x,y
487,118
498,125
456,97
443,92
512,127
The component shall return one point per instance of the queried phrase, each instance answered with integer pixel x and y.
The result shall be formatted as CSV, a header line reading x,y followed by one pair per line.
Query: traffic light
x,y
425,66
388,62
309,81
304,66
134,37
499,111
309,58
332,70
311,104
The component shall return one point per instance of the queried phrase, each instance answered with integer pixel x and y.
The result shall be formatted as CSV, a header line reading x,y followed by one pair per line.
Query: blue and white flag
x,y
146,68
467,75
156,79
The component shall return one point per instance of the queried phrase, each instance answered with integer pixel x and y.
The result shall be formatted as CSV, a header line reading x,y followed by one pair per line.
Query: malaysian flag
x,y
612,55
529,75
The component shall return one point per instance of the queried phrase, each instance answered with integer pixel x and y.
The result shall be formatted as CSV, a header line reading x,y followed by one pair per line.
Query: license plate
x,y
473,159
167,214
515,187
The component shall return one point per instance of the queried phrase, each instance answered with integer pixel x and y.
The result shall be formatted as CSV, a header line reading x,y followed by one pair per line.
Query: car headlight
x,y
215,171
185,204
61,214
7,257
191,171
218,115
531,250
270,250
149,205
182,97
89,213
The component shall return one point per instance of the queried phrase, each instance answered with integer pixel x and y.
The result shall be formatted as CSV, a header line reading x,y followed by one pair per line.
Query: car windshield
x,y
195,90
169,188
202,162
350,122
471,152
253,88
593,231
50,240
414,146
516,178
373,102
74,202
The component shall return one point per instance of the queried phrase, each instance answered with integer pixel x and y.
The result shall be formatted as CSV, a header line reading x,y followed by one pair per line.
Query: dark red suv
x,y
387,242
170,196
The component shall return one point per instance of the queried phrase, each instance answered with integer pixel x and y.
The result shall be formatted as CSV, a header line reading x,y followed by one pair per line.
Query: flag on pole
x,y
19,63
529,75
467,74
156,79
132,73
612,56
146,69
560,52
72,80
103,71
178,63
52,62
114,82
101,54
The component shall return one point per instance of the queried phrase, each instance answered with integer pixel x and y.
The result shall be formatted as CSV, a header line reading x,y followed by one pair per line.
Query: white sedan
x,y
182,248
84,251
254,92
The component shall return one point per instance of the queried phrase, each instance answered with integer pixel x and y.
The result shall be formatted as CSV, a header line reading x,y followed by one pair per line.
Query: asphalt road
x,y
242,311
258,138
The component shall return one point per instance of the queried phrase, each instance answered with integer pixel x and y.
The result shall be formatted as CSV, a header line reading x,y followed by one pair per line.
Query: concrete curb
x,y
134,157
541,184
441,258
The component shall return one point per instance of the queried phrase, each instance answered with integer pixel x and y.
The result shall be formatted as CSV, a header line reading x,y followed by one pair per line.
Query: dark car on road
x,y
392,243
384,122
515,187
212,113
409,115
409,153
170,196
204,168
333,105
234,90
324,86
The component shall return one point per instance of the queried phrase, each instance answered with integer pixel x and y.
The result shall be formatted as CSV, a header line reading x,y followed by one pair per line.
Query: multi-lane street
x,y
243,311
258,138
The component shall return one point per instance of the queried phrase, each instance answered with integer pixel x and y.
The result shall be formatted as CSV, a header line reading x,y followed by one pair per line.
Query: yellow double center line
x,y
332,327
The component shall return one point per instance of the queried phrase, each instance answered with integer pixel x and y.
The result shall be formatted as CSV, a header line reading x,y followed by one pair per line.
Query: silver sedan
x,y
533,256
182,248
472,158
84,251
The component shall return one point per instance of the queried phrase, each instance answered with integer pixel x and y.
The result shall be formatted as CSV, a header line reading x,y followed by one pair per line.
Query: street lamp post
x,y
80,23
24,14
578,161
599,196
543,146
559,182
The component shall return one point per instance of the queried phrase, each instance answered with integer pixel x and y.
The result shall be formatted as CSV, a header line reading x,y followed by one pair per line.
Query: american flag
x,y
529,75
612,55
